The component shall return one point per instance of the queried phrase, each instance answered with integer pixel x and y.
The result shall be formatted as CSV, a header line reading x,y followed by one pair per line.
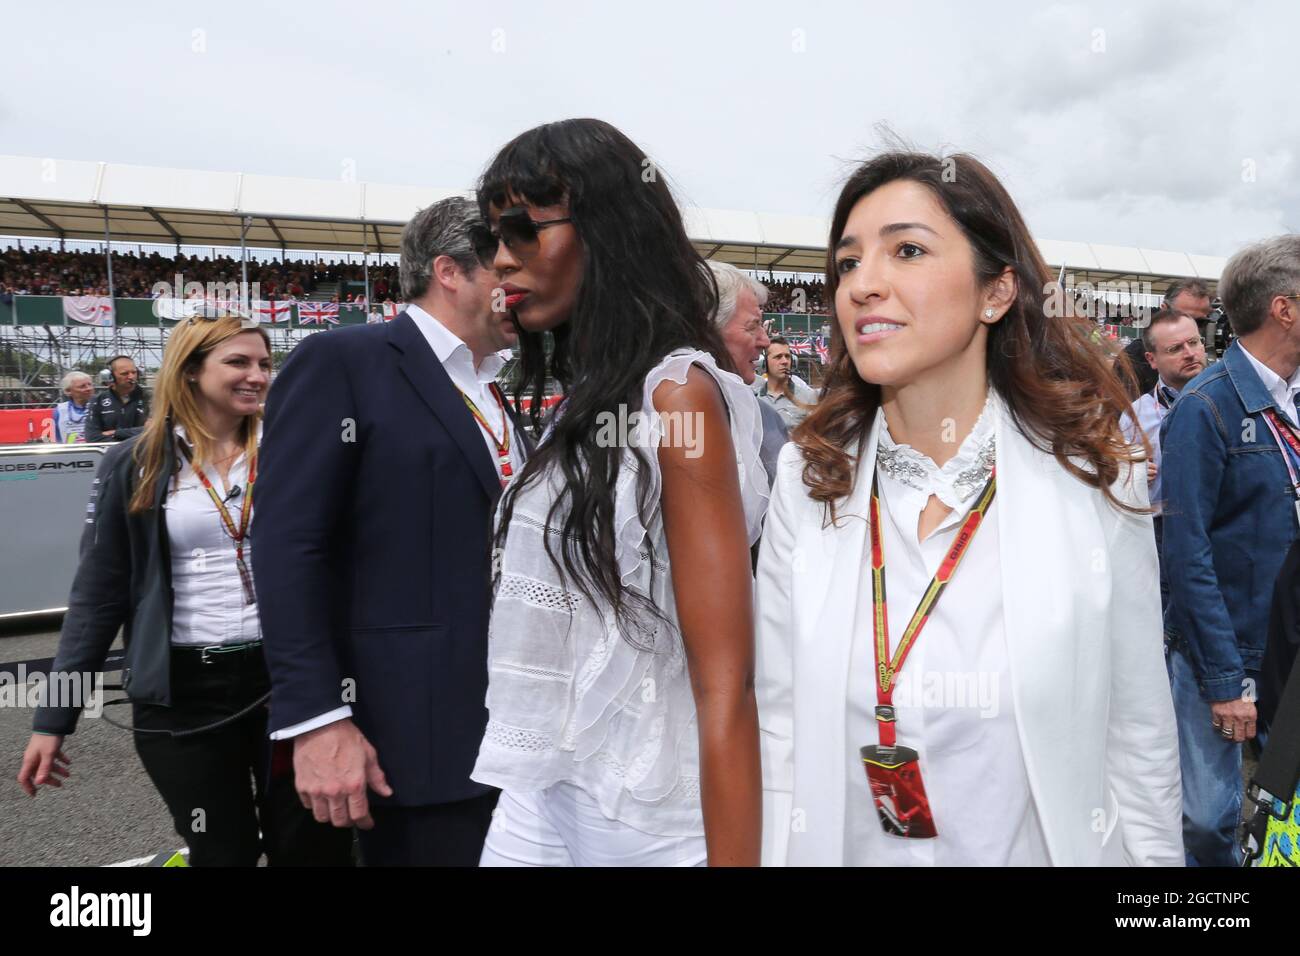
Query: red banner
x,y
23,424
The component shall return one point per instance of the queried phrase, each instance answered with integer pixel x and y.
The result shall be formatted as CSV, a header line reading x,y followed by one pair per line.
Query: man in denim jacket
x,y
1230,516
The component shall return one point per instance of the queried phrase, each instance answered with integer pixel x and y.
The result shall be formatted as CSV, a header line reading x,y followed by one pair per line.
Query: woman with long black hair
x,y
622,726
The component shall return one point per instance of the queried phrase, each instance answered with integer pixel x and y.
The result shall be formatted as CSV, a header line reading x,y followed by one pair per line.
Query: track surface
x,y
107,811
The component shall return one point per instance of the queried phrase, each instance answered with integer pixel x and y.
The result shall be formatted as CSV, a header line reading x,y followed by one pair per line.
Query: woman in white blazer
x,y
1022,717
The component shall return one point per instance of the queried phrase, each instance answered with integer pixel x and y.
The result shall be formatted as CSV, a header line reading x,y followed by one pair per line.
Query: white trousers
x,y
563,826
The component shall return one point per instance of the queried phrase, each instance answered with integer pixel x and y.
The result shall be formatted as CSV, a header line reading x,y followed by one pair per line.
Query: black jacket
x,y
123,580
108,413
1283,638
372,553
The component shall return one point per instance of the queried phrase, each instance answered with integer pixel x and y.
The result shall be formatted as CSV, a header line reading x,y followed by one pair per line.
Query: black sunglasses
x,y
515,228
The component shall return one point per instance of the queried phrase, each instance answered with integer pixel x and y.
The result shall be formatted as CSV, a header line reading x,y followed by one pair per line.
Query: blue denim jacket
x,y
1229,519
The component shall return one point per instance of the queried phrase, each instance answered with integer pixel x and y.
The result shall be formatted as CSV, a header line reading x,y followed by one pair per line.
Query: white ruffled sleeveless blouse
x,y
570,698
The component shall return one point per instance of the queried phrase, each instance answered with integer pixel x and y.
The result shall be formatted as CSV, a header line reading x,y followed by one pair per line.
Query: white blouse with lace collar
x,y
953,698
961,477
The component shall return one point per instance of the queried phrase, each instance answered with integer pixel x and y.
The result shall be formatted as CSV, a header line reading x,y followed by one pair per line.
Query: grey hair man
x,y
739,319
1230,516
441,276
377,566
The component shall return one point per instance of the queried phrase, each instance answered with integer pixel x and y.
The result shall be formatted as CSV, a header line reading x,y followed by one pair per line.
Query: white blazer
x,y
1081,600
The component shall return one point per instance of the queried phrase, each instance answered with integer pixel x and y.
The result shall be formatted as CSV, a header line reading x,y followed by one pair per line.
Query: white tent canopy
x,y
67,199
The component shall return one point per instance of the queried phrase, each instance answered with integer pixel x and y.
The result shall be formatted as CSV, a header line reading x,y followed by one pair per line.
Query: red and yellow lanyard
x,y
1285,437
236,534
886,668
502,445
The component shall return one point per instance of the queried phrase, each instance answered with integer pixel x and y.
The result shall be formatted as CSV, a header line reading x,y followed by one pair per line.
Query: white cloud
x,y
744,106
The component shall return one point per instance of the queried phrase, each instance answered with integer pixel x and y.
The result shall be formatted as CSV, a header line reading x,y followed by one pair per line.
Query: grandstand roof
x,y
68,198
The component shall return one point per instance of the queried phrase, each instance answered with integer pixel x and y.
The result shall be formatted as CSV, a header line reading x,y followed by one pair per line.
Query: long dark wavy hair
x,y
644,291
1057,381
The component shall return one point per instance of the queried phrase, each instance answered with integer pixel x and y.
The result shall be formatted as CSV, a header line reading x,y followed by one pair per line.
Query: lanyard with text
x,y
502,445
1285,437
237,534
894,772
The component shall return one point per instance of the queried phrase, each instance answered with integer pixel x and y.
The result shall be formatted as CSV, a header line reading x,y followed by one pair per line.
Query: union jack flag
x,y
823,351
318,313
271,311
800,347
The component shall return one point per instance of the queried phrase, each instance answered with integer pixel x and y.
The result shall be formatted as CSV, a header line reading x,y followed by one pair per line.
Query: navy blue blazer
x,y
371,553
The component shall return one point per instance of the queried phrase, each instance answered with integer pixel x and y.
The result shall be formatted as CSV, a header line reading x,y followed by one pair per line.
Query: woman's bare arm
x,y
704,522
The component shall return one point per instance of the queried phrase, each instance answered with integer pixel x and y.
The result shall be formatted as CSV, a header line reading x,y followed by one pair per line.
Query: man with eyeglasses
x,y
739,320
1231,489
1175,352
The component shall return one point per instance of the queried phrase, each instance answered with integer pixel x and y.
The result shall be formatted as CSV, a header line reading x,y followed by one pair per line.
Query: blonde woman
x,y
168,556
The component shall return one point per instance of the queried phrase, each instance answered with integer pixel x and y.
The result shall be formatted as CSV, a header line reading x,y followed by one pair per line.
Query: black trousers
x,y
222,786
443,834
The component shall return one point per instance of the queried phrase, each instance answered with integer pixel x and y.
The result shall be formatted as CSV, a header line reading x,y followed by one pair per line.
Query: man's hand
x,y
332,767
44,763
1151,472
1236,715
110,433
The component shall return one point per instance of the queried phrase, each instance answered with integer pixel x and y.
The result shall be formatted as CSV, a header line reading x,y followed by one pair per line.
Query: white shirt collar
x,y
1282,390
448,346
179,432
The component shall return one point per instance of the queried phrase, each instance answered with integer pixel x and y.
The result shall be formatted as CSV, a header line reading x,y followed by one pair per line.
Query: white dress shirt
x,y
953,698
458,361
1282,390
209,606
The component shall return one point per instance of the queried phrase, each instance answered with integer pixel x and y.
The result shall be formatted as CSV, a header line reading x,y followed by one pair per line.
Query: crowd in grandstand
x,y
792,295
49,272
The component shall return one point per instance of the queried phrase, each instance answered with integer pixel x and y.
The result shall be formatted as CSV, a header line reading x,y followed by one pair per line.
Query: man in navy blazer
x,y
375,492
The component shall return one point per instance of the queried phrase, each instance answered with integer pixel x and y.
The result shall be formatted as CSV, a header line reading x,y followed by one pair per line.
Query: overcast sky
x,y
1169,125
